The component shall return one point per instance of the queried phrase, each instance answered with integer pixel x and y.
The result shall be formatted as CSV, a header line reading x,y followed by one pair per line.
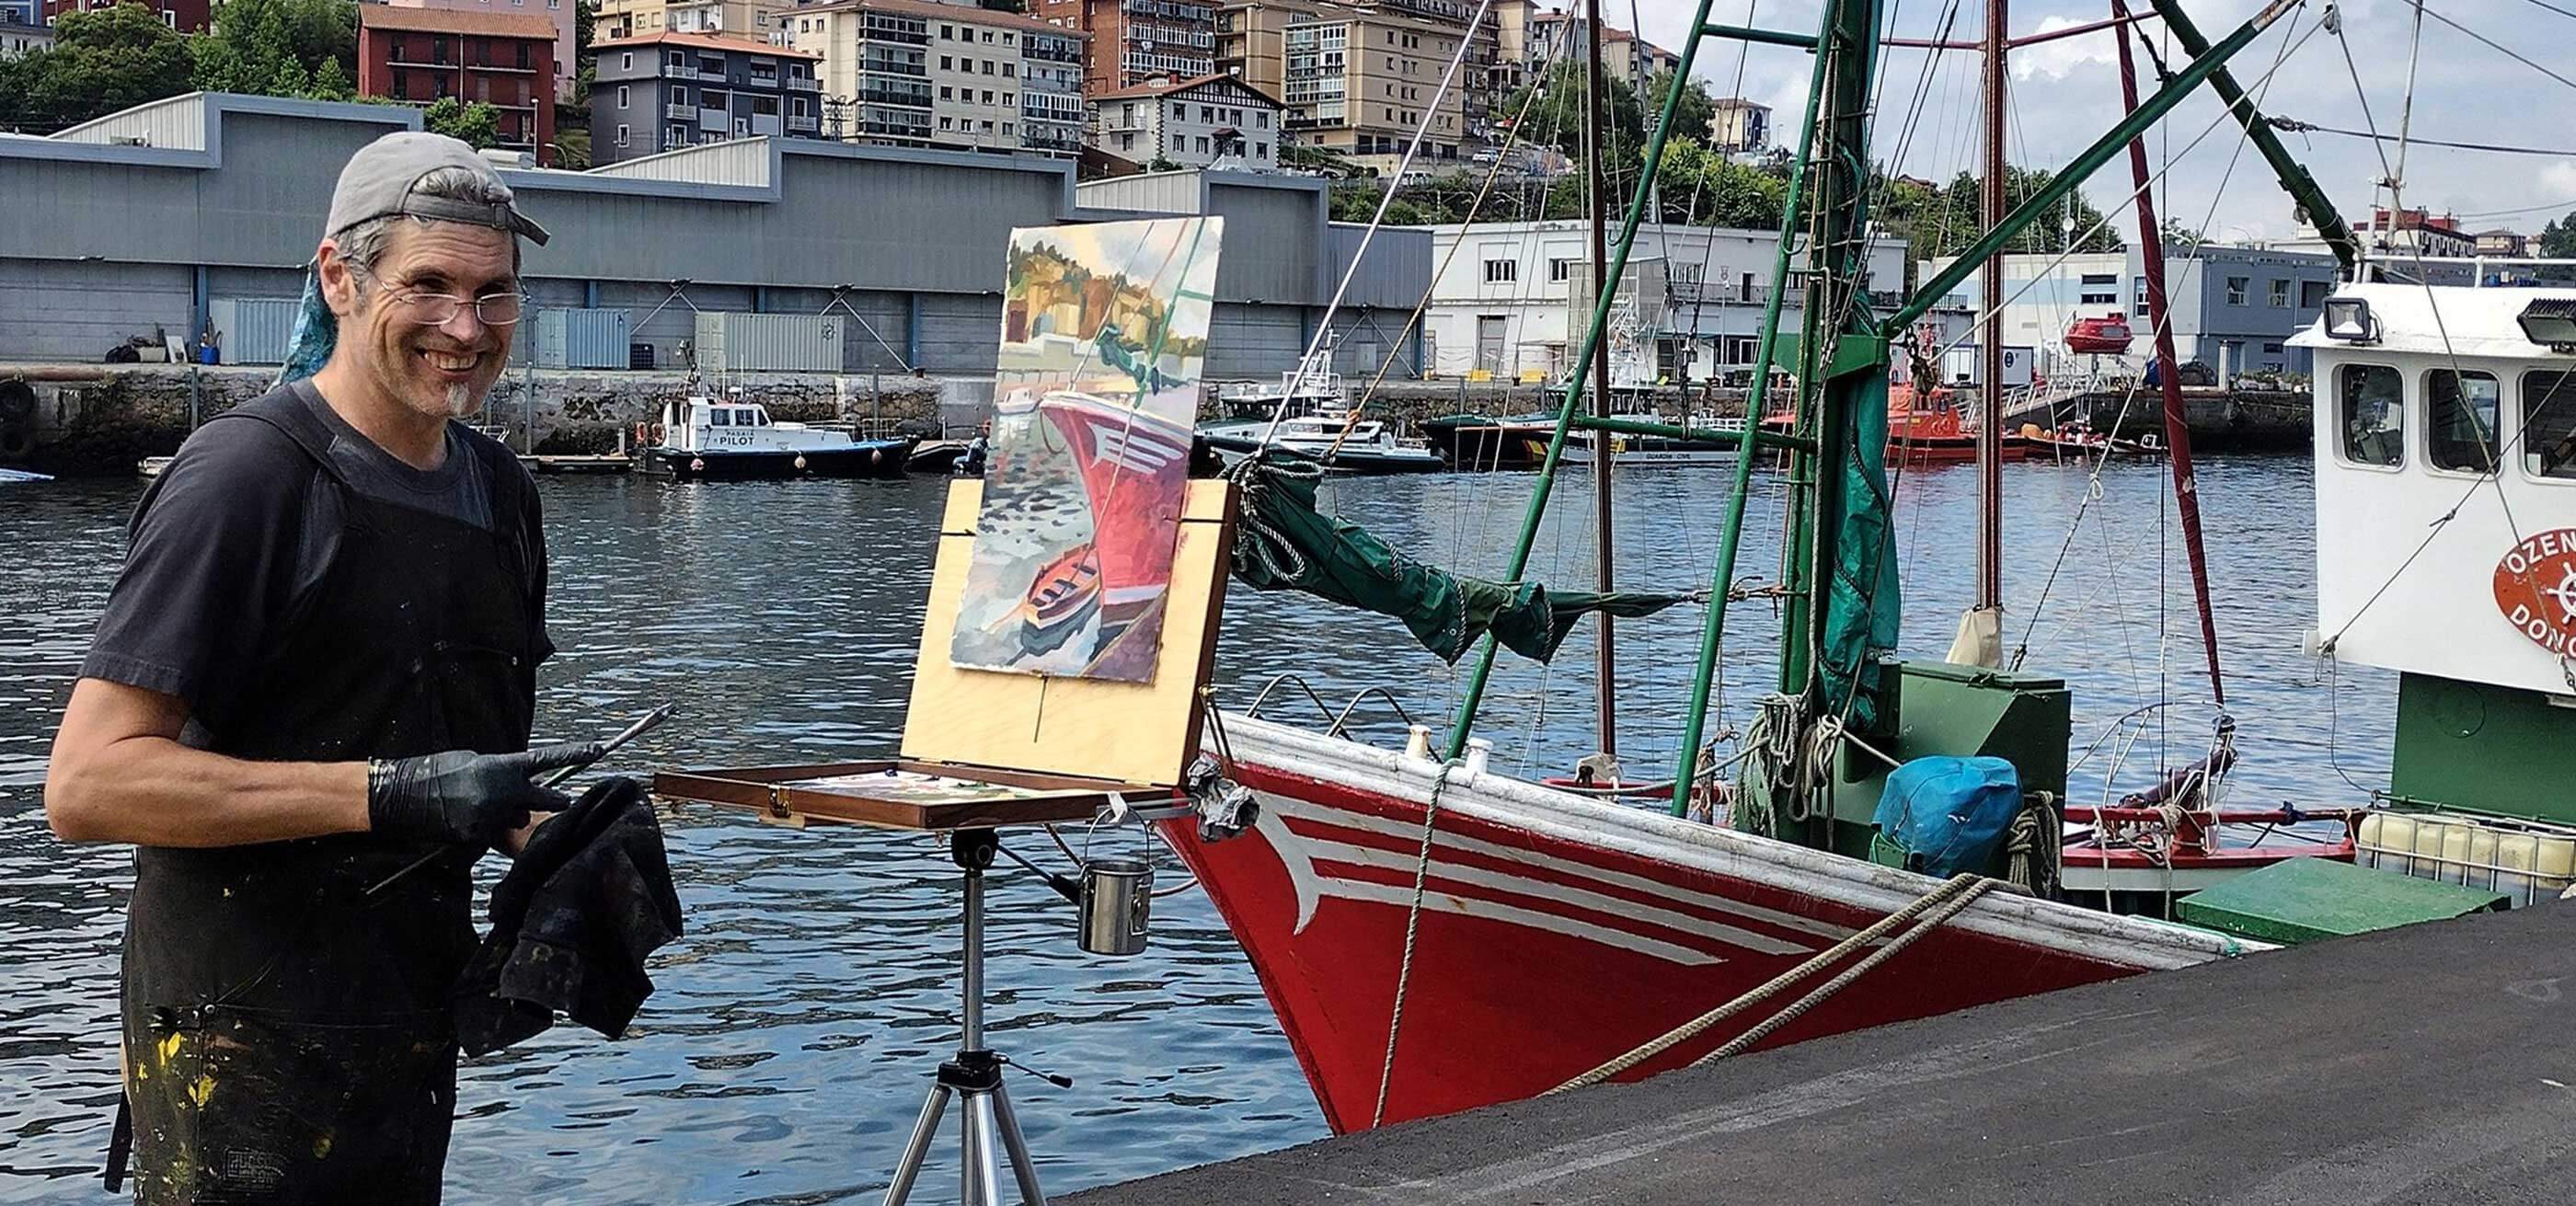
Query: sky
x,y
2066,93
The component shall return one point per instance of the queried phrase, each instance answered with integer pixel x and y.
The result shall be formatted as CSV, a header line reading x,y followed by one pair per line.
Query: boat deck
x,y
2428,1064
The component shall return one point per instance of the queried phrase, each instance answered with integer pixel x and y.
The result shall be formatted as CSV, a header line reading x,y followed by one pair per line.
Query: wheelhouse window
x,y
2371,411
719,417
2460,410
2549,425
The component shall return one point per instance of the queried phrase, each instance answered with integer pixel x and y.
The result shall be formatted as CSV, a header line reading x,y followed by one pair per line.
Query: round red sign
x,y
2535,588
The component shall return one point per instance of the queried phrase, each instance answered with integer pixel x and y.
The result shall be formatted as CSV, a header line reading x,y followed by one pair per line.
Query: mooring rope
x,y
1412,925
1934,907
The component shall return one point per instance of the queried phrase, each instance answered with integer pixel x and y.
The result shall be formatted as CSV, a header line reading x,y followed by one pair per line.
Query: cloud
x,y
2066,93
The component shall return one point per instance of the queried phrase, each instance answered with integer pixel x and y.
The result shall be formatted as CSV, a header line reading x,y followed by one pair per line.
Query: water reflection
x,y
785,1052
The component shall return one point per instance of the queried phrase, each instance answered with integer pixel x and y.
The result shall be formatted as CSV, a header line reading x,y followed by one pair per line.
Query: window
x,y
1009,99
2372,411
741,126
2312,294
679,137
1006,129
2281,295
947,33
947,93
2549,424
2460,409
1127,142
2272,349
2101,278
621,135
2099,299
1203,144
764,106
988,66
675,60
1008,40
2236,286
946,123
988,37
946,63
1207,114
1261,121
2138,295
988,96
1560,268
1010,70
679,96
1501,271
719,416
626,60
986,126
621,96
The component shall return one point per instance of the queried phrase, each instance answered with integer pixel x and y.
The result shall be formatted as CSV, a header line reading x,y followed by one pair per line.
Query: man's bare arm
x,y
119,774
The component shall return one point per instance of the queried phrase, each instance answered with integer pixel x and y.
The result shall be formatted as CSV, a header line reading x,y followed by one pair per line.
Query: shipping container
x,y
1960,364
252,330
730,342
582,339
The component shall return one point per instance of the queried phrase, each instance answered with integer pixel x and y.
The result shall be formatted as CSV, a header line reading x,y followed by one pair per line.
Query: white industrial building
x,y
1504,298
2234,308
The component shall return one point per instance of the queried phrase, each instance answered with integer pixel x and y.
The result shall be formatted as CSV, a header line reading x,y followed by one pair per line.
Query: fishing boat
x,y
1937,434
1310,388
725,439
1436,934
1484,442
1342,442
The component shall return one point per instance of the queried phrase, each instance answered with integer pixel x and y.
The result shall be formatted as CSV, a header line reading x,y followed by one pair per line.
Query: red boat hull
x,y
1540,956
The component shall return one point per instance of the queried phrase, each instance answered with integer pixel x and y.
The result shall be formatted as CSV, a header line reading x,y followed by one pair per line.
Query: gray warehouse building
x,y
145,219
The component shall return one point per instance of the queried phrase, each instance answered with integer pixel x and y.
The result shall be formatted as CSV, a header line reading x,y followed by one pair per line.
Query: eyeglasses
x,y
439,309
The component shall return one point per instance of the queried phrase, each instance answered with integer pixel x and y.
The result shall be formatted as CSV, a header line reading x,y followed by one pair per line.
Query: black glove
x,y
464,797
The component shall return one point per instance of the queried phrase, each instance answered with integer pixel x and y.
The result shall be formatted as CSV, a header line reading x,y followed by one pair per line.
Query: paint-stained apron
x,y
286,1030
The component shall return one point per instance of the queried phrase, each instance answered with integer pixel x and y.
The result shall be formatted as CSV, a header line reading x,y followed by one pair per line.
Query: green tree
x,y
1558,113
585,13
476,124
2558,242
1939,220
1704,187
1691,119
101,61
330,83
276,47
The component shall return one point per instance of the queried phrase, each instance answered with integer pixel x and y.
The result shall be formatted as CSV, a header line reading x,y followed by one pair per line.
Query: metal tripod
x,y
975,1074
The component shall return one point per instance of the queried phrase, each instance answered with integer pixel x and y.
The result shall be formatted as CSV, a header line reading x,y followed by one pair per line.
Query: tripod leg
x,y
918,1148
983,1180
1022,1166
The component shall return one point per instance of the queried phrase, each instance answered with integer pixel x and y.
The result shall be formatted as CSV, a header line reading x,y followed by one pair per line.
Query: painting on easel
x,y
1104,332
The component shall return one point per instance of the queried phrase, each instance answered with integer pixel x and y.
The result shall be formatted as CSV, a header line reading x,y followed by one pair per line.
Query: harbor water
x,y
786,1050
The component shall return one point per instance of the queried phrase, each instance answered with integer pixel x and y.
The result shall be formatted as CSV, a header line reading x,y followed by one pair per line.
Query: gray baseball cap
x,y
378,183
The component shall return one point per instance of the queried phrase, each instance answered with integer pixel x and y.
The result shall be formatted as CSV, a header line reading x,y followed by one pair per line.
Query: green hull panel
x,y
2474,747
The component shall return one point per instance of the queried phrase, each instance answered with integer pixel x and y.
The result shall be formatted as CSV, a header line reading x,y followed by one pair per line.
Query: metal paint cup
x,y
1117,898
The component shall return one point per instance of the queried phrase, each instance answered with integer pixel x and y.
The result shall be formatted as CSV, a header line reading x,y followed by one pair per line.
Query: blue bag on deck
x,y
1948,813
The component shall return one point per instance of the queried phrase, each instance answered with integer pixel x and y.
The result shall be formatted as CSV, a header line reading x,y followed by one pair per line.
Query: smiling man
x,y
308,708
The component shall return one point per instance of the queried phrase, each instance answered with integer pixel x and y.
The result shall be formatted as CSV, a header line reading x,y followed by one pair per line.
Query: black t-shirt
x,y
240,528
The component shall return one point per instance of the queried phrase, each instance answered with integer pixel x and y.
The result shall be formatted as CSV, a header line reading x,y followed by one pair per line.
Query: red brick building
x,y
505,60
186,16
1133,41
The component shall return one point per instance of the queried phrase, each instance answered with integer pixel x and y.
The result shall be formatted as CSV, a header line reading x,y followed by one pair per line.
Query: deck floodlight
x,y
2550,321
2348,319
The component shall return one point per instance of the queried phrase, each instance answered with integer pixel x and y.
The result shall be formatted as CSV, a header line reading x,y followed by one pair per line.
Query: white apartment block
x,y
918,73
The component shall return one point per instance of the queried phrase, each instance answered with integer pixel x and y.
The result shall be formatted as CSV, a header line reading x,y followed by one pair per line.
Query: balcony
x,y
704,74
901,100
804,83
435,63
680,112
808,124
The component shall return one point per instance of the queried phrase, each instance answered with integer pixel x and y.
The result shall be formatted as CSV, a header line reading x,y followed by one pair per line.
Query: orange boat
x,y
1936,435
2108,335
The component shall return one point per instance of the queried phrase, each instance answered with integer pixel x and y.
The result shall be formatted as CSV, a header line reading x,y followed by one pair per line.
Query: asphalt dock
x,y
2435,1063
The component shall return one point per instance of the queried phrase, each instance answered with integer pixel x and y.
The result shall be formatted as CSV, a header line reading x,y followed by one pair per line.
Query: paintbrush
x,y
642,725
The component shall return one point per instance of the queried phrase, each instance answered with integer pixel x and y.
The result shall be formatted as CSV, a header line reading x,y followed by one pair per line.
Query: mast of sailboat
x,y
2151,251
1985,616
1606,695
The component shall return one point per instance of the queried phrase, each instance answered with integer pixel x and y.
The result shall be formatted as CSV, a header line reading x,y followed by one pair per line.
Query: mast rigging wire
x,y
2295,126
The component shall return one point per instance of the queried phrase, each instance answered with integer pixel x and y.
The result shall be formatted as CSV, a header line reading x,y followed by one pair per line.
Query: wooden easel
x,y
1046,750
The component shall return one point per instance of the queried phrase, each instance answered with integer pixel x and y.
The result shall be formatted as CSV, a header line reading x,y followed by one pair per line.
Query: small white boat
x,y
1330,436
726,439
1311,388
21,476
151,466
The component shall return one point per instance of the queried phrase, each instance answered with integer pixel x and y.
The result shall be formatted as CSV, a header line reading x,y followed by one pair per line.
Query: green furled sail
x,y
1863,611
1283,543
